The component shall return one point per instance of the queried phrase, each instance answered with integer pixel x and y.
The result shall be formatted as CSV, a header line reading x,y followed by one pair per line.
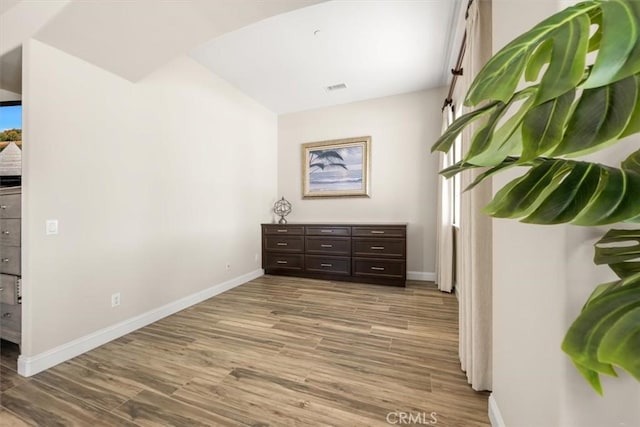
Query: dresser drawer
x,y
328,246
326,264
377,247
283,229
10,260
327,230
383,268
10,317
284,243
277,261
365,253
382,231
10,206
10,232
9,289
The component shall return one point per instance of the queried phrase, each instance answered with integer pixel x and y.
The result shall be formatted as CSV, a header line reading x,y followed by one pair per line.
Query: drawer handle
x,y
326,246
281,262
283,231
1,289
3,206
377,248
5,259
326,231
377,232
326,265
281,244
6,315
6,232
378,268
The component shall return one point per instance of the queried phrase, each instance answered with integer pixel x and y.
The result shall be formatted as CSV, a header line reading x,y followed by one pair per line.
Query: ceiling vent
x,y
339,86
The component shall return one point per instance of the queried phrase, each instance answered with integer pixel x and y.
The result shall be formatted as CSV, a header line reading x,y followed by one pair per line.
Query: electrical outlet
x,y
115,299
255,257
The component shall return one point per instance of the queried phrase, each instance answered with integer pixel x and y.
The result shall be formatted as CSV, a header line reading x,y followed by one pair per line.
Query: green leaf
x,y
600,116
618,39
491,146
629,206
556,191
632,163
627,247
456,168
625,269
606,331
483,136
569,198
608,196
601,290
537,60
543,126
499,78
447,139
632,66
507,163
621,344
591,376
525,194
463,166
566,67
596,19
634,121
615,201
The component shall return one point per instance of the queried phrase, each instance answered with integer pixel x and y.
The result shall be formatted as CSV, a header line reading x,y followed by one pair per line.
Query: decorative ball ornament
x,y
282,208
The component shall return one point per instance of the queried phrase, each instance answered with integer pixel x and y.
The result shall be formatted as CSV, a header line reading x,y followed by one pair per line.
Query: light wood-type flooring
x,y
273,352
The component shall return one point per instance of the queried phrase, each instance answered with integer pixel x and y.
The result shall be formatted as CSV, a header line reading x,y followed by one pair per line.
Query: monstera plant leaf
x,y
568,87
574,107
557,191
624,257
607,331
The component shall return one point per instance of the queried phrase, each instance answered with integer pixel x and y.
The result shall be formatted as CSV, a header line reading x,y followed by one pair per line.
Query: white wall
x,y
7,95
156,186
403,172
542,277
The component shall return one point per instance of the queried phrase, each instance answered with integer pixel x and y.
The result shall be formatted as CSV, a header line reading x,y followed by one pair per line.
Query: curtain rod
x,y
457,70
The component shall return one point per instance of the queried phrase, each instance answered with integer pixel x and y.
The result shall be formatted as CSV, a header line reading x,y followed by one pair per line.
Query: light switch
x,y
52,226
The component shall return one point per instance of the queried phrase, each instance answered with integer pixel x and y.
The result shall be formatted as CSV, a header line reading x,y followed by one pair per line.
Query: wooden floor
x,y
273,352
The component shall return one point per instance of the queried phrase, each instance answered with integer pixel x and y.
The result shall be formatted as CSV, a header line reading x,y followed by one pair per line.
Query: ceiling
x,y
7,4
134,38
377,48
283,53
130,38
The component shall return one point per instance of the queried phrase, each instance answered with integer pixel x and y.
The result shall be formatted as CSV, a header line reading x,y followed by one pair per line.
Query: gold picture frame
x,y
336,168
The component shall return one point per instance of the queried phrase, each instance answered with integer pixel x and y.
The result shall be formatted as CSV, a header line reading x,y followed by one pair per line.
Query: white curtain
x,y
444,253
474,280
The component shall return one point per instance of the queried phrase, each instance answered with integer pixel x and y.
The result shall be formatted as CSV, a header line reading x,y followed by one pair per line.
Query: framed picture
x,y
338,168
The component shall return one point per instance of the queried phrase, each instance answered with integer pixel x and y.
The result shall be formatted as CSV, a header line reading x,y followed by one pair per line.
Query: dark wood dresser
x,y
369,253
10,280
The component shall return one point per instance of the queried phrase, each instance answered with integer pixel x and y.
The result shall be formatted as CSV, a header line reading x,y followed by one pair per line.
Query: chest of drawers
x,y
369,253
10,265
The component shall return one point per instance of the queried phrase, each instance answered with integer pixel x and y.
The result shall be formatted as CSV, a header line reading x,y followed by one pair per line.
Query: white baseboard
x,y
31,365
424,276
494,413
